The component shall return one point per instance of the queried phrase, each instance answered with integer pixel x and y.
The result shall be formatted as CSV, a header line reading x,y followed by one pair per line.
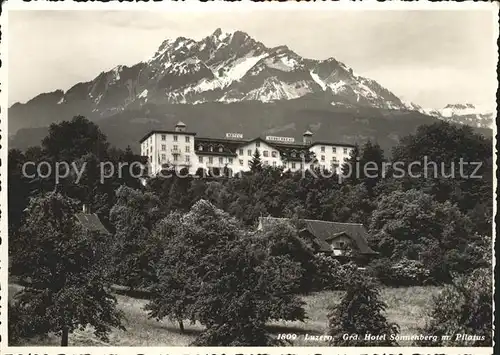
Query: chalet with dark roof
x,y
345,241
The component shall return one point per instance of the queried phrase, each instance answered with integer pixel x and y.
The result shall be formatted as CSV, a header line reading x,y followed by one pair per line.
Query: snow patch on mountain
x,y
241,67
317,79
337,87
274,89
116,73
207,85
282,63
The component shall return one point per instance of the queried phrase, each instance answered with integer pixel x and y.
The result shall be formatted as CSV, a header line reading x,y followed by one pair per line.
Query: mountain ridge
x,y
222,68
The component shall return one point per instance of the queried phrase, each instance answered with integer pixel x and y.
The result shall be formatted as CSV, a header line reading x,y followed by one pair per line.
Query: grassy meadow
x,y
406,306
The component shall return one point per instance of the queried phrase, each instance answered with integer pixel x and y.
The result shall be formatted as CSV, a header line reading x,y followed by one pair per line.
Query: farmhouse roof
x,y
91,222
325,231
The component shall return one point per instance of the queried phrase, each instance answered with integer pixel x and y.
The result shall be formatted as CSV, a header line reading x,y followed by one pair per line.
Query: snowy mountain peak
x,y
463,109
467,113
460,106
221,36
232,67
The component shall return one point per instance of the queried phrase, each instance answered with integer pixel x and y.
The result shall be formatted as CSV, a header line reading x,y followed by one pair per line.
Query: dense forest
x,y
193,245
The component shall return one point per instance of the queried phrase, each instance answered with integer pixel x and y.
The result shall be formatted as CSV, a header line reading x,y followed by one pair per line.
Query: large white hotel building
x,y
180,148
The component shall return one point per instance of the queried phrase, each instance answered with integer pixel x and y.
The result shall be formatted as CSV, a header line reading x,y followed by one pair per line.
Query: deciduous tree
x,y
361,313
66,270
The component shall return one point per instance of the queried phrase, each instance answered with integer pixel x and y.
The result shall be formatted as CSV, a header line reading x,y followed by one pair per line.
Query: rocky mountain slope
x,y
223,71
222,67
466,114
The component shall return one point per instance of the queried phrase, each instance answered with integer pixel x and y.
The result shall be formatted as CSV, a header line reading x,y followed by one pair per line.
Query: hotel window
x,y
301,166
175,138
241,151
257,144
221,149
163,157
241,161
345,150
163,137
163,147
274,163
230,160
221,160
334,150
175,157
200,147
266,153
249,152
210,160
187,139
322,158
211,149
322,149
187,149
293,165
200,159
274,154
334,159
175,148
187,158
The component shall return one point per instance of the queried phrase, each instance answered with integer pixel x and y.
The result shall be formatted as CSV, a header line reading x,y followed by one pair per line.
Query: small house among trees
x,y
344,241
91,222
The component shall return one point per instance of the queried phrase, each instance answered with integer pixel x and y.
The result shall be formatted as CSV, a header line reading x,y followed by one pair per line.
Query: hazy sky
x,y
429,57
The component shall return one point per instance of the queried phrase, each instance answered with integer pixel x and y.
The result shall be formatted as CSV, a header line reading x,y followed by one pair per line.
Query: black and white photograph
x,y
275,176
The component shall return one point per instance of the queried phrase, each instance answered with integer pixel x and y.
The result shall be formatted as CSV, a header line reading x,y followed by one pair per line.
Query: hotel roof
x,y
146,136
242,142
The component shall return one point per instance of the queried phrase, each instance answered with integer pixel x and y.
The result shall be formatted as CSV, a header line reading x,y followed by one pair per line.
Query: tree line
x,y
192,243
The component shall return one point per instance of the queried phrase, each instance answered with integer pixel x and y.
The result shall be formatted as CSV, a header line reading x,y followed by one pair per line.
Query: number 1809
x,y
287,336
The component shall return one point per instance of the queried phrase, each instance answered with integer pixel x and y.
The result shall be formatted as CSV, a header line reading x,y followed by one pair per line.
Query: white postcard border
x,y
193,5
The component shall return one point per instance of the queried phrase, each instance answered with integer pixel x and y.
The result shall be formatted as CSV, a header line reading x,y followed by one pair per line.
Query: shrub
x,y
402,273
330,273
25,324
413,225
282,239
463,308
361,312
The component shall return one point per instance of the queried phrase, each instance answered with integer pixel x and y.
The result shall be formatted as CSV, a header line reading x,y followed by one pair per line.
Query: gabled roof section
x,y
320,244
325,231
91,222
